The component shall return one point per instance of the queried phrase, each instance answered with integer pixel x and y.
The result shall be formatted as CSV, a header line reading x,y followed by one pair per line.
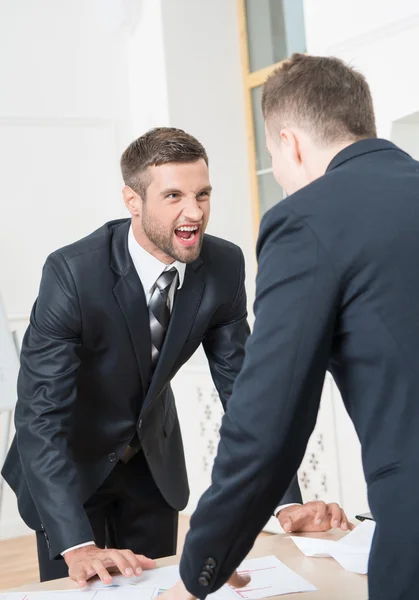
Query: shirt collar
x,y
148,267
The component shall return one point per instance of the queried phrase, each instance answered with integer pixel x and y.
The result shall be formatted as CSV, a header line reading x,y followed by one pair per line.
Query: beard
x,y
164,240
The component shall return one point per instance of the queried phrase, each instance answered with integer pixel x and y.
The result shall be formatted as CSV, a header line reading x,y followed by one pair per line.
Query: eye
x,y
173,196
204,195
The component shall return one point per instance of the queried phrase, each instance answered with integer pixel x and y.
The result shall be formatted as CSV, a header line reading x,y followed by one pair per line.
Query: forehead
x,y
180,175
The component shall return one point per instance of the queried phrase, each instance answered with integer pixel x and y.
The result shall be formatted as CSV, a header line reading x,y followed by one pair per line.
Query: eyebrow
x,y
168,191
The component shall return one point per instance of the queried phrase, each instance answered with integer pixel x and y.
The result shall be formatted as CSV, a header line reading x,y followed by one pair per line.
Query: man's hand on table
x,y
84,563
179,591
313,517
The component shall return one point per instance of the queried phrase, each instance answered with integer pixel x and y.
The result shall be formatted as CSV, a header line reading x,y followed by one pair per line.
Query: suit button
x,y
208,569
204,581
210,562
112,457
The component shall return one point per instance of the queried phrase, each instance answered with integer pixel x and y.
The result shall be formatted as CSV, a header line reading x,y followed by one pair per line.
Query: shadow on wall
x,y
405,133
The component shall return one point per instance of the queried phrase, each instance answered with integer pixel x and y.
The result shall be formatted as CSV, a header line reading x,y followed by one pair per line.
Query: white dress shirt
x,y
149,269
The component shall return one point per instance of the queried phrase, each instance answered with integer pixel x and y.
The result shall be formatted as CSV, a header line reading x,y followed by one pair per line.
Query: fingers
x,y
84,563
121,561
335,513
79,575
346,521
302,518
239,580
101,571
321,512
134,563
138,562
344,525
338,517
285,520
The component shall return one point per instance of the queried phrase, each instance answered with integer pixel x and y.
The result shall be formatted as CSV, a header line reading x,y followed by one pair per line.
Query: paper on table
x,y
270,577
70,595
145,593
314,547
361,536
351,552
161,579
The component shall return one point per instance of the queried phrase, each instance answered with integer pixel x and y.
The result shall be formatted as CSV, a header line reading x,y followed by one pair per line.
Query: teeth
x,y
194,228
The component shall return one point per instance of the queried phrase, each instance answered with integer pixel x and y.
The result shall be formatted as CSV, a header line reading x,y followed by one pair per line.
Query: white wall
x,y
405,133
64,118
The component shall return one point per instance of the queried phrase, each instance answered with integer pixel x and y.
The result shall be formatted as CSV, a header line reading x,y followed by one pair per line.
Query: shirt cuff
x,y
79,546
281,506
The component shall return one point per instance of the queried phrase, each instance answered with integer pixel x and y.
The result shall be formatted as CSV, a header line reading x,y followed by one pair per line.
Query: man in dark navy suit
x,y
337,289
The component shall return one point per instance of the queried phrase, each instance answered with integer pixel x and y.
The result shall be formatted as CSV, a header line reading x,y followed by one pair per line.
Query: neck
x,y
324,156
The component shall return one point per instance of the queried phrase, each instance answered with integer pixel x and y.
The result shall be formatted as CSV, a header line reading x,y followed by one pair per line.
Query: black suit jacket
x,y
338,289
84,387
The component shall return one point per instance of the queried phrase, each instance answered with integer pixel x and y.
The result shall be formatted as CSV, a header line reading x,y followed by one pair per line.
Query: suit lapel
x,y
187,302
130,296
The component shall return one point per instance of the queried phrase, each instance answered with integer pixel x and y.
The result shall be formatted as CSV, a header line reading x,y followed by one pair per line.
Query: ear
x,y
292,143
132,200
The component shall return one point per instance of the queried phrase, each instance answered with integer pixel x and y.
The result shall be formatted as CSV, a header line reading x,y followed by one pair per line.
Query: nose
x,y
192,210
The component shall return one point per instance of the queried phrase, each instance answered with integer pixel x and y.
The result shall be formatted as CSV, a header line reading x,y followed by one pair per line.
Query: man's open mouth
x,y
187,234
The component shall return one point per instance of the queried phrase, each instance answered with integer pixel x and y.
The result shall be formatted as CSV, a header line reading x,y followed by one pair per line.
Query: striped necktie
x,y
159,313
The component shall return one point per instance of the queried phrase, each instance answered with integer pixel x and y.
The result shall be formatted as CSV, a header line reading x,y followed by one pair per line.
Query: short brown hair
x,y
322,94
157,147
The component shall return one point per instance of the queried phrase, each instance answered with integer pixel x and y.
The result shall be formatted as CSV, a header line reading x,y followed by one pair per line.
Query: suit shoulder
x,y
224,267
215,249
97,240
317,199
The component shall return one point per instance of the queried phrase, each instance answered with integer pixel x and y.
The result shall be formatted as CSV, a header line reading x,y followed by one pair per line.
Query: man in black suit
x,y
337,289
98,459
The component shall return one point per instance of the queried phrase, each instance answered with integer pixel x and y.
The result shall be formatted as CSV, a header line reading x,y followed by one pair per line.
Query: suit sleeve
x,y
274,405
47,390
293,493
224,346
224,343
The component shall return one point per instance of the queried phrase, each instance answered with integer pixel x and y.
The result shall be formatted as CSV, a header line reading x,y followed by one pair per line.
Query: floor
x,y
19,564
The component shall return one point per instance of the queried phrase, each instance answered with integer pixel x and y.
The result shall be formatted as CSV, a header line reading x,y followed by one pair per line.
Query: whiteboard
x,y
9,364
